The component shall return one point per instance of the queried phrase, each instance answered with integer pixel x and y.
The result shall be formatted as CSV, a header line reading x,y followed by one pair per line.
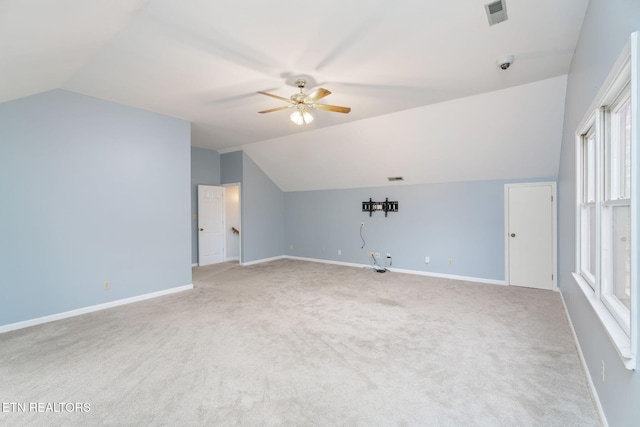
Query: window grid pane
x,y
621,254
590,169
588,250
588,254
625,150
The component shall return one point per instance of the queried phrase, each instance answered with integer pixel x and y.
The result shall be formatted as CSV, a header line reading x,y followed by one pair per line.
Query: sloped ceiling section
x,y
400,65
203,60
507,134
43,44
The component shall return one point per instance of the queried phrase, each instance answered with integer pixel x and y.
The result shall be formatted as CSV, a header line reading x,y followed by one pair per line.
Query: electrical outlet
x,y
339,251
291,247
368,254
602,369
322,249
388,255
362,224
450,261
107,284
377,255
427,260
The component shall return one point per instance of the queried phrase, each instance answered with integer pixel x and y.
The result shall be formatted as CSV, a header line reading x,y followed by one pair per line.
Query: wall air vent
x,y
496,12
395,178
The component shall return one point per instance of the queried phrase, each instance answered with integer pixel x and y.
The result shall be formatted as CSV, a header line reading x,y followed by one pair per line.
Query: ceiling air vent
x,y
496,12
395,178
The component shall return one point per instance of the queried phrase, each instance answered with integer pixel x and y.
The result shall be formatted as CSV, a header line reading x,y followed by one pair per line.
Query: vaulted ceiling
x,y
413,72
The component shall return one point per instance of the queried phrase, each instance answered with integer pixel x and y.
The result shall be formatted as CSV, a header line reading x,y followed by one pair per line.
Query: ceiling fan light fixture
x,y
302,102
301,117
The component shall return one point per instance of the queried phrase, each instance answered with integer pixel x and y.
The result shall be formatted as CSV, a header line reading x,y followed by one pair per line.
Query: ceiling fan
x,y
303,102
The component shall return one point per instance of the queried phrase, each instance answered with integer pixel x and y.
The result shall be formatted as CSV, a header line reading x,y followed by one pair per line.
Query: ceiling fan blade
x,y
275,109
275,96
333,108
316,94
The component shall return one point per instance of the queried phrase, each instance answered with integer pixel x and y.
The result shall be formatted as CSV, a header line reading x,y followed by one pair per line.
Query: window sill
x,y
619,338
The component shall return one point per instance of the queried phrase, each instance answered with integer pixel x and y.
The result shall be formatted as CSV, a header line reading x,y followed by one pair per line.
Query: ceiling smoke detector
x,y
504,62
496,12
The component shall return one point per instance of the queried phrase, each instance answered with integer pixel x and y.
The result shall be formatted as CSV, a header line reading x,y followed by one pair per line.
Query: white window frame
x,y
621,82
587,202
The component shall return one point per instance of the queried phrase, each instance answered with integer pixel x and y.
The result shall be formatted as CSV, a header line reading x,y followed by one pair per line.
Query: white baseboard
x,y
592,386
391,269
327,261
233,258
195,264
260,261
450,276
399,270
90,309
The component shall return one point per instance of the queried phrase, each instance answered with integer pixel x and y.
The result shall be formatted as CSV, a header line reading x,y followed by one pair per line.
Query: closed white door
x,y
210,224
530,241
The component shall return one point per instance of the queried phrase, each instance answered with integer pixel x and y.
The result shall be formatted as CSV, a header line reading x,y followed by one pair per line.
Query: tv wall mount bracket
x,y
385,206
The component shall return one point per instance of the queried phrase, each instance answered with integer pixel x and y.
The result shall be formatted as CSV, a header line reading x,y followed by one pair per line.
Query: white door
x,y
530,235
210,224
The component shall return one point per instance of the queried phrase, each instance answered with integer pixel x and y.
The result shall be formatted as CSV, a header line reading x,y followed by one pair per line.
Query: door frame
x,y
554,226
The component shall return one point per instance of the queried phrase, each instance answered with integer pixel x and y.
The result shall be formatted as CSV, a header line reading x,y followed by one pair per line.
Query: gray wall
x,y
91,191
231,167
205,170
461,221
262,212
606,28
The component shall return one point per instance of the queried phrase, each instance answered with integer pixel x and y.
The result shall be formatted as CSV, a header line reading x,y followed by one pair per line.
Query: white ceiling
x,y
510,133
203,61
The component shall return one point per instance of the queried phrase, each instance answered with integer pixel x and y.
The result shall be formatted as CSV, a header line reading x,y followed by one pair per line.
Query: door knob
x,y
202,229
513,234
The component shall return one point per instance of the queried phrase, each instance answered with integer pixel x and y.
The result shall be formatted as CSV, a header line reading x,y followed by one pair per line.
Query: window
x,y
616,213
607,159
588,207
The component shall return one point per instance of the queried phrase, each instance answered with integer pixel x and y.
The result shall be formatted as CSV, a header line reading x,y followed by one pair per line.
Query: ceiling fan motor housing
x,y
298,98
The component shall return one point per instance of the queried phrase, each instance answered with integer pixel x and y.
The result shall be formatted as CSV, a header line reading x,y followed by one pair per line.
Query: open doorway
x,y
219,222
232,222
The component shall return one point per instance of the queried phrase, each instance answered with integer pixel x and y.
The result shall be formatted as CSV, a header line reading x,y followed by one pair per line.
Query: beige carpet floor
x,y
305,344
